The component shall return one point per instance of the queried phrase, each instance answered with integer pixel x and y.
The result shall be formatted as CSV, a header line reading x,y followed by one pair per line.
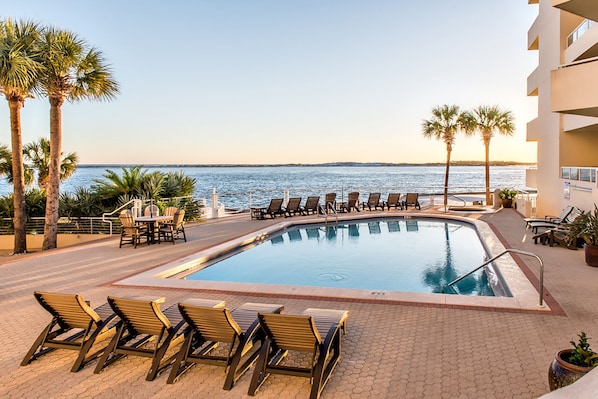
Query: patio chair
x,y
145,330
75,326
311,205
411,199
393,201
352,202
170,211
274,209
293,207
302,333
373,202
171,231
209,327
131,232
151,210
551,219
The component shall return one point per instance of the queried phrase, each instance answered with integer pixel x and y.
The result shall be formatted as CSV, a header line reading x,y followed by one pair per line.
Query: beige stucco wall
x,y
34,241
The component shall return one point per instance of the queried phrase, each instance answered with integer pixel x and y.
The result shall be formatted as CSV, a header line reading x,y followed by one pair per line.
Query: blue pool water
x,y
396,254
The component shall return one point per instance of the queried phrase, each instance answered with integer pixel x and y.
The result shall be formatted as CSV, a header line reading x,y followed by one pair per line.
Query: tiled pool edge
x,y
525,296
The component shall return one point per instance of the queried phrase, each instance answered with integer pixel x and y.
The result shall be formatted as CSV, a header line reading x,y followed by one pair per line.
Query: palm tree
x,y
113,185
72,71
38,153
6,167
446,121
19,71
489,120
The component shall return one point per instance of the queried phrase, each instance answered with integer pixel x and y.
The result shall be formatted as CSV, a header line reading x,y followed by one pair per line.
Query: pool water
x,y
410,255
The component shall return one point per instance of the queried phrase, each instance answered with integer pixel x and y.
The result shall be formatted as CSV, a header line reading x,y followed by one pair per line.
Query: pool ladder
x,y
510,250
328,209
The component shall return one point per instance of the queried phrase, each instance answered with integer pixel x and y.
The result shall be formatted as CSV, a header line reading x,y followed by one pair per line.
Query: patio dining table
x,y
151,222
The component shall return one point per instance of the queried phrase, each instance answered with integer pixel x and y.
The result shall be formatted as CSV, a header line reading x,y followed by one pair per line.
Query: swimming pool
x,y
410,255
523,294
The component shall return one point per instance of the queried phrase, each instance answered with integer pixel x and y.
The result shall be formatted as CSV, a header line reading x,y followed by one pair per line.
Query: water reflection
x,y
438,276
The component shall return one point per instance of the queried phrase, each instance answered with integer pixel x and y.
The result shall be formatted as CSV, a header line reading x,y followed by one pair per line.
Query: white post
x,y
214,203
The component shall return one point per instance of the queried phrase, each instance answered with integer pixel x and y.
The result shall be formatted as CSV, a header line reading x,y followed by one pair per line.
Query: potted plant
x,y
585,228
569,365
507,195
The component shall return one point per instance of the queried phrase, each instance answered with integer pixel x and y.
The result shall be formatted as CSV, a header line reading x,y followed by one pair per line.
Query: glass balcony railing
x,y
579,173
579,31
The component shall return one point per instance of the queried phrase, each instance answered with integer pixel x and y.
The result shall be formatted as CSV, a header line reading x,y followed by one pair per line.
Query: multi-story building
x,y
565,34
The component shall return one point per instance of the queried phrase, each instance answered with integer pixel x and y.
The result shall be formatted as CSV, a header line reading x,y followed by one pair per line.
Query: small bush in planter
x,y
569,365
507,193
582,355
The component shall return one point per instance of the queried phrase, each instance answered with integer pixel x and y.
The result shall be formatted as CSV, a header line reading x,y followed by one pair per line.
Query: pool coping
x,y
525,297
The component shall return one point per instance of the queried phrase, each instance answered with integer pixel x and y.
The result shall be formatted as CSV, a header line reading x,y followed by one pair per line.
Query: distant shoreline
x,y
326,164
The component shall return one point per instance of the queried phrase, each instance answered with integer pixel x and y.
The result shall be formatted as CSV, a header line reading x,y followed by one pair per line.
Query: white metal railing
x,y
578,32
516,251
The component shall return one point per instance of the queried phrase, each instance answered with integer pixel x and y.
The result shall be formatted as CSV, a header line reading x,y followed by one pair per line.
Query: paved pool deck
x,y
391,350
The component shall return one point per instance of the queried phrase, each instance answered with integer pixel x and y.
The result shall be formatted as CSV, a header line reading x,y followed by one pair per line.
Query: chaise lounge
x,y
411,199
274,209
293,207
316,332
209,327
373,202
351,204
311,205
393,201
143,322
75,326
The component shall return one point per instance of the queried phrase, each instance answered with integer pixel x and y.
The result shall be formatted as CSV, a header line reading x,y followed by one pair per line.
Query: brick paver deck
x,y
390,350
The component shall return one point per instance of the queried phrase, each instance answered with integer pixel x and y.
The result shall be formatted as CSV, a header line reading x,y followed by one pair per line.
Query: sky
x,y
294,81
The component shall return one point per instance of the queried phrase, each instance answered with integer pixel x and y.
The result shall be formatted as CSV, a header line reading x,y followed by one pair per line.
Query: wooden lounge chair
x,y
373,202
75,325
209,327
411,199
172,230
131,232
286,333
274,209
293,207
393,201
352,202
311,205
142,322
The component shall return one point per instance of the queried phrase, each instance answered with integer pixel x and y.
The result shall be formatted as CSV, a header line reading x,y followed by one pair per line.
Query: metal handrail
x,y
509,250
330,206
136,207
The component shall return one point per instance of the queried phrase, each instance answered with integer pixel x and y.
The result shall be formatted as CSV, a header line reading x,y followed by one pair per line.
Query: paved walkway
x,y
390,350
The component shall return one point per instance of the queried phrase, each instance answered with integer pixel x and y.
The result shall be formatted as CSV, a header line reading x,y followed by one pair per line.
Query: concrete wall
x,y
35,241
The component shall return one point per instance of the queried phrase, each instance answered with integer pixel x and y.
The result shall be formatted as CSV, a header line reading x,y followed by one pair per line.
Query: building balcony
x,y
583,8
574,88
579,124
533,130
532,83
582,43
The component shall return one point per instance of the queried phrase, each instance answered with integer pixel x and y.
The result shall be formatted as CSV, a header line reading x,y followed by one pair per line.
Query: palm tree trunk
x,y
20,211
53,182
487,167
446,174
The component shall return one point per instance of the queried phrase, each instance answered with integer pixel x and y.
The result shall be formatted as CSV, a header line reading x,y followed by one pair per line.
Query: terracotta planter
x,y
591,252
562,373
507,203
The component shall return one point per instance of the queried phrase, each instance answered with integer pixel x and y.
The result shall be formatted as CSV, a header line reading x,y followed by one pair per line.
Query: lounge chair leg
x,y
32,355
259,374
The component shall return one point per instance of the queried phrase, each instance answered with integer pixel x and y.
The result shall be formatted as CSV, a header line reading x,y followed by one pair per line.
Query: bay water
x,y
240,187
